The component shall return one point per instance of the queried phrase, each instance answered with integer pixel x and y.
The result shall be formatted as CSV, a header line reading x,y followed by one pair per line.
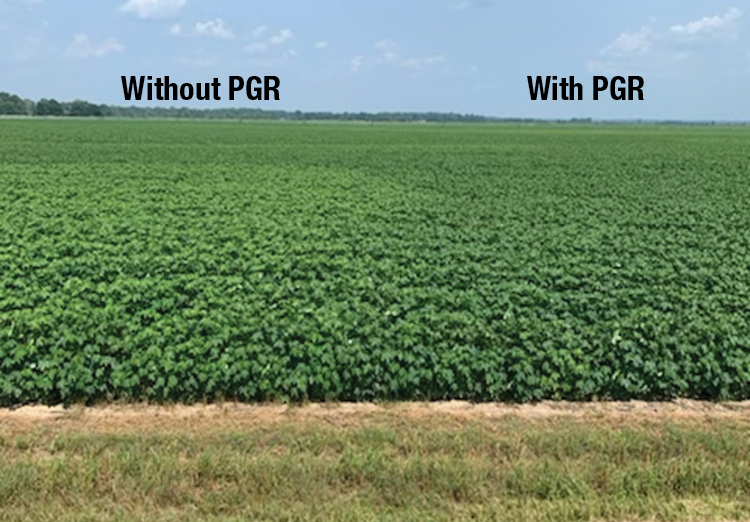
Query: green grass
x,y
388,467
182,261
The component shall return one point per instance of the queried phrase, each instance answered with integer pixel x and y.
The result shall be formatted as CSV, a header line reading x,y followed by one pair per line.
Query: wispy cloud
x,y
28,3
650,46
281,37
215,29
356,64
269,44
470,4
270,49
630,44
321,45
708,24
153,8
390,55
387,46
83,47
256,47
259,31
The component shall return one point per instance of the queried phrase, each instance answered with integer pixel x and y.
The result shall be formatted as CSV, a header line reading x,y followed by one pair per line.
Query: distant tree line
x,y
10,104
13,105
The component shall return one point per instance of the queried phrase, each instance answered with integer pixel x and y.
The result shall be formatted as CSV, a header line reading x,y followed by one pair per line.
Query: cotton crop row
x,y
184,261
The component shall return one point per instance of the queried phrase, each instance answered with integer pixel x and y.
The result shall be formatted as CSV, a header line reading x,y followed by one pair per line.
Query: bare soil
x,y
203,417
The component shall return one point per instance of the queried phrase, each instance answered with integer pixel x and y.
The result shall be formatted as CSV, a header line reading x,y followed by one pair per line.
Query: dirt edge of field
x,y
137,417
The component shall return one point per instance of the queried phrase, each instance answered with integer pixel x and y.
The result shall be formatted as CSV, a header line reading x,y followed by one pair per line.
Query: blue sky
x,y
468,56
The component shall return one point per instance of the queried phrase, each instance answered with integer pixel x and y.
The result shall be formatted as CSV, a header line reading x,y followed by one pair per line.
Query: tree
x,y
84,108
11,104
30,106
47,107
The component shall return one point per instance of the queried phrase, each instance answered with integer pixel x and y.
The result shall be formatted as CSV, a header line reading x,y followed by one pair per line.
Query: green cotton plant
x,y
168,261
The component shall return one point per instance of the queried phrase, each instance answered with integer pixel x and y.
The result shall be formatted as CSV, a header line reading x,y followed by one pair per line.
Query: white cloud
x,y
256,48
356,63
153,8
708,24
409,63
389,55
321,45
387,46
214,28
469,4
418,63
431,60
7,3
281,37
83,47
662,47
272,48
259,31
630,44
